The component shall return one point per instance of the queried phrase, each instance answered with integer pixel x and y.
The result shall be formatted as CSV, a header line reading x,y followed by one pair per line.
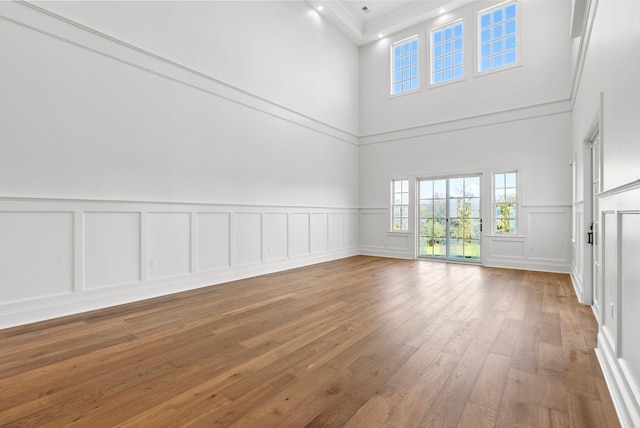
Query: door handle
x,y
590,235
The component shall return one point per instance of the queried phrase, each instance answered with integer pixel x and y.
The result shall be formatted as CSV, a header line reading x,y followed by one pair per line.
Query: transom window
x,y
400,205
505,202
404,65
497,37
447,53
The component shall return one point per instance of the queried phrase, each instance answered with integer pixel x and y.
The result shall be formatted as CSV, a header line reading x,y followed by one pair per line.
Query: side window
x,y
400,205
497,36
505,201
404,66
447,56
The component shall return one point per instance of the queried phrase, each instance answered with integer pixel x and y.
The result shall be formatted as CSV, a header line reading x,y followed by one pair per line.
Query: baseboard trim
x,y
577,286
527,265
624,400
75,303
385,252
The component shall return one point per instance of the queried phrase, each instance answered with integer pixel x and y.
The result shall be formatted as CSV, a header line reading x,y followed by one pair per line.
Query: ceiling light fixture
x,y
320,8
441,11
380,35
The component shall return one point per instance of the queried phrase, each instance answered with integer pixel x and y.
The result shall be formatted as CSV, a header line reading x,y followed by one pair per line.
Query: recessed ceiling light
x,y
441,11
380,35
320,8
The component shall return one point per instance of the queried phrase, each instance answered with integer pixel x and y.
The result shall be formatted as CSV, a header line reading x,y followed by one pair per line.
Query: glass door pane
x,y
464,218
449,216
433,218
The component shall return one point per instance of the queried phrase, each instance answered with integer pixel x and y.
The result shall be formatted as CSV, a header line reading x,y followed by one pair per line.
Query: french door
x,y
449,223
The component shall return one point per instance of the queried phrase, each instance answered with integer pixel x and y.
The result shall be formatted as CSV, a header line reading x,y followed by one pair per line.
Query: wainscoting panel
x,y
213,232
543,242
618,346
169,244
36,255
373,228
248,238
507,248
111,249
336,231
59,257
351,230
400,241
319,235
609,242
299,231
630,294
275,236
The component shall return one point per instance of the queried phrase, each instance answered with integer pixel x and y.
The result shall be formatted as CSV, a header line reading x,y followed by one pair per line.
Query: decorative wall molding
x,y
583,47
40,20
535,249
59,257
486,119
618,349
577,254
627,187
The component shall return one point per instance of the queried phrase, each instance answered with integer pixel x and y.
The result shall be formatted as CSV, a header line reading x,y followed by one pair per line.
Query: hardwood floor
x,y
359,342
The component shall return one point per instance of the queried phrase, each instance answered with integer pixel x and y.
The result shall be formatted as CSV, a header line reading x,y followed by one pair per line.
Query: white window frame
x,y
391,70
477,39
465,51
400,205
518,203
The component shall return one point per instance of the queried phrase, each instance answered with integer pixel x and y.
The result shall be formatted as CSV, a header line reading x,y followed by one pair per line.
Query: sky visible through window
x,y
498,37
404,60
447,53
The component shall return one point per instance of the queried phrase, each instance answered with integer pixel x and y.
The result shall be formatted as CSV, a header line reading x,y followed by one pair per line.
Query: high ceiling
x,y
364,20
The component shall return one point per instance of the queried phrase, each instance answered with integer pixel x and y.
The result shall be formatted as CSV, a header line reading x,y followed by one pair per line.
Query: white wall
x,y
609,73
544,74
143,154
518,118
101,120
282,51
538,147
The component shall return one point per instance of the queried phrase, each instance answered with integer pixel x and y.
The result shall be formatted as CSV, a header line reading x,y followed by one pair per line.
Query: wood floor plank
x,y
378,408
505,342
551,360
609,411
550,418
525,353
370,375
361,341
488,389
416,404
448,407
477,416
551,392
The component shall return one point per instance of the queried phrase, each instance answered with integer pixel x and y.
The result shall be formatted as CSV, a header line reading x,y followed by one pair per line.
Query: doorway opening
x,y
589,229
592,235
449,220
